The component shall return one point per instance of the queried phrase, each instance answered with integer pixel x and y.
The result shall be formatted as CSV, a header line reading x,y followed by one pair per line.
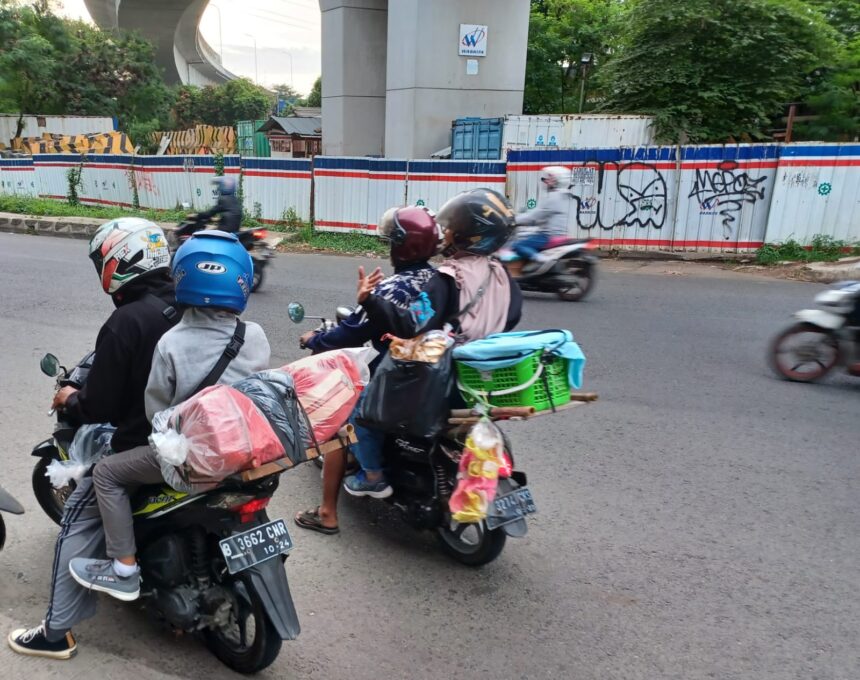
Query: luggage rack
x,y
469,416
345,437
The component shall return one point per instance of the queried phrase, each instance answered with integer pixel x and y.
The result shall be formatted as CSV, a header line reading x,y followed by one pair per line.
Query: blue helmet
x,y
212,269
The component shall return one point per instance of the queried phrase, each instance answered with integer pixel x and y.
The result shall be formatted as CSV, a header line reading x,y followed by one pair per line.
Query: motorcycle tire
x,y
471,544
791,372
2,533
263,650
258,277
585,275
51,500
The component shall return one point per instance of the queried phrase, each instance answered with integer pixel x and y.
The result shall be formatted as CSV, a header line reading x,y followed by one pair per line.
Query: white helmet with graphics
x,y
555,177
126,248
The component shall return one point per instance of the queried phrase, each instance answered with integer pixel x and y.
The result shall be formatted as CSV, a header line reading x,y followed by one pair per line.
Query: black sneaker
x,y
34,643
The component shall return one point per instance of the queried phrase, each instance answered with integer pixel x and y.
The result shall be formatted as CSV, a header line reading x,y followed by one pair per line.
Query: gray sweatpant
x,y
115,478
81,535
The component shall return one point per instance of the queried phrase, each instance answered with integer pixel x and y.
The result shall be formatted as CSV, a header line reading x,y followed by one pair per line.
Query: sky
x,y
284,31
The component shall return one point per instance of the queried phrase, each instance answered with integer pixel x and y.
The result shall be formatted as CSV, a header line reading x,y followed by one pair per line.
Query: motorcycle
x,y
7,504
211,563
254,241
423,474
821,339
570,270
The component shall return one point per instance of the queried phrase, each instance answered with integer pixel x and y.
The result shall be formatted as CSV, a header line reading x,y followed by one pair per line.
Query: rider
x,y
550,216
228,206
414,238
132,260
470,290
182,364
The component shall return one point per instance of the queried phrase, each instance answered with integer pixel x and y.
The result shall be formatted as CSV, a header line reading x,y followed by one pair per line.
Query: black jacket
x,y
230,211
117,380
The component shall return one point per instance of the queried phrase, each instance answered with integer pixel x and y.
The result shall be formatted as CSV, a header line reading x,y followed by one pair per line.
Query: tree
x,y
714,70
560,33
220,105
314,99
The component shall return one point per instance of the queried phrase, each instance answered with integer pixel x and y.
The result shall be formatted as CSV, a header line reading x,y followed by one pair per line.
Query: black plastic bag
x,y
408,397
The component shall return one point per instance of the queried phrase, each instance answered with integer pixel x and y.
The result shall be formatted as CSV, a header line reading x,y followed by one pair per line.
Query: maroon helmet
x,y
412,232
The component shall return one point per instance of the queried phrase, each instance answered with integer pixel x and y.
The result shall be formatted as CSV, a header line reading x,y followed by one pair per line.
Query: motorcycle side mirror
x,y
296,312
50,365
342,313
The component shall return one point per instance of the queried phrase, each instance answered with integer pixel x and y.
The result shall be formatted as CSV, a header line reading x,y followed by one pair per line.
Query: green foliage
x,y
220,105
823,248
560,32
74,177
314,98
714,70
218,162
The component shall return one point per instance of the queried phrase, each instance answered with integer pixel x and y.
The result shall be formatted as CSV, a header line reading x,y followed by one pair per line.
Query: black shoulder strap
x,y
169,312
230,353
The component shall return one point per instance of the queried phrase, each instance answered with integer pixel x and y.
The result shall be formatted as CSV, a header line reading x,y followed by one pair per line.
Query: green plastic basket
x,y
523,384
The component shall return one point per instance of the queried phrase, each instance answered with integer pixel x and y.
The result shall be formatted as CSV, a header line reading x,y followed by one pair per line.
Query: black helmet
x,y
477,221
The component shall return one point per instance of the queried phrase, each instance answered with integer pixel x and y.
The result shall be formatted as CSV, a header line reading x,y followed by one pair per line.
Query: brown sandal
x,y
310,519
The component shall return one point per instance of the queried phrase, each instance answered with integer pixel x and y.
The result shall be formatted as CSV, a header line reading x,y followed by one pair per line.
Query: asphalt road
x,y
699,521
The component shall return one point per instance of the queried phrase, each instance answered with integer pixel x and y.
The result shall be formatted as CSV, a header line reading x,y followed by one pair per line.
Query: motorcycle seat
x,y
557,241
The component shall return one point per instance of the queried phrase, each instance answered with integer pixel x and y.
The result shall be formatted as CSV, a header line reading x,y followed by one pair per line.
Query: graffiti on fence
x,y
724,191
641,186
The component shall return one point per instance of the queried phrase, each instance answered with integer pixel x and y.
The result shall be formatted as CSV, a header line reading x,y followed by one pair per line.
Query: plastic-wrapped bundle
x,y
91,444
214,434
328,386
478,475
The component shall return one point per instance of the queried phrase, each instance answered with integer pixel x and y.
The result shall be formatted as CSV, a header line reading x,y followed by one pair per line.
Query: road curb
x,y
63,227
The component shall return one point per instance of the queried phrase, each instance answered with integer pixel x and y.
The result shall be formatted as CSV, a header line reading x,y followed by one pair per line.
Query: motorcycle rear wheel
x,y
581,280
232,647
258,277
51,500
821,353
471,544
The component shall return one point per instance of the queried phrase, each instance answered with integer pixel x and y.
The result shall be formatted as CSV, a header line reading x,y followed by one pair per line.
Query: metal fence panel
x,y
18,177
106,180
817,191
272,186
52,174
622,197
432,183
723,196
341,193
386,188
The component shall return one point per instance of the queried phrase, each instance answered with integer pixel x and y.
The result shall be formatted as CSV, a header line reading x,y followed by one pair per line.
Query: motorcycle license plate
x,y
256,545
510,507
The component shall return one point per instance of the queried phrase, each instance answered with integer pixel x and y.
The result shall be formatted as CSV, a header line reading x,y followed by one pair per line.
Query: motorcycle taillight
x,y
506,468
260,234
246,511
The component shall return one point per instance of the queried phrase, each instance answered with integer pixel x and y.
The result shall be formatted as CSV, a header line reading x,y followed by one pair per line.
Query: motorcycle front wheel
x,y
51,500
471,544
577,280
248,642
804,352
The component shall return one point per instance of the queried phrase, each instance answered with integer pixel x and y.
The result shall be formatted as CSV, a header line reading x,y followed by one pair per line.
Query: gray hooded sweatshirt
x,y
188,351
550,215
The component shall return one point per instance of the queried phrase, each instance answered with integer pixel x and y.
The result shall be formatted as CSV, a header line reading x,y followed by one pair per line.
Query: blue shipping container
x,y
476,138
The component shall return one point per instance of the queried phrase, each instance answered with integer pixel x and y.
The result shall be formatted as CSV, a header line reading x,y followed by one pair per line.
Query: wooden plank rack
x,y
468,416
344,438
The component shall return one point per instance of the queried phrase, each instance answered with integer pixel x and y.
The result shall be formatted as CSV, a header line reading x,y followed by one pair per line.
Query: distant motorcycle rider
x,y
549,216
228,209
132,260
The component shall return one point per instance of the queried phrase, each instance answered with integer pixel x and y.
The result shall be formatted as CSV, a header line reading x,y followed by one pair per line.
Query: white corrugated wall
x,y
817,191
276,185
340,193
432,183
18,177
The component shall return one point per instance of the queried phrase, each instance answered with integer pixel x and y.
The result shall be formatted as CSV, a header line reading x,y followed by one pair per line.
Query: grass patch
x,y
302,235
822,249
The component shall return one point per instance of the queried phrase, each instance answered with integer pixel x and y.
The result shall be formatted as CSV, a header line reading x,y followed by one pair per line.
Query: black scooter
x,y
211,563
423,474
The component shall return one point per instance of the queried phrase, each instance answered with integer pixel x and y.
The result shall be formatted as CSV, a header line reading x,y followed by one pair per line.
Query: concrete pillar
x,y
426,83
353,86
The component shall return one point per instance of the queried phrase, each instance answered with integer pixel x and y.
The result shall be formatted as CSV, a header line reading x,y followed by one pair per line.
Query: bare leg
x,y
334,468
